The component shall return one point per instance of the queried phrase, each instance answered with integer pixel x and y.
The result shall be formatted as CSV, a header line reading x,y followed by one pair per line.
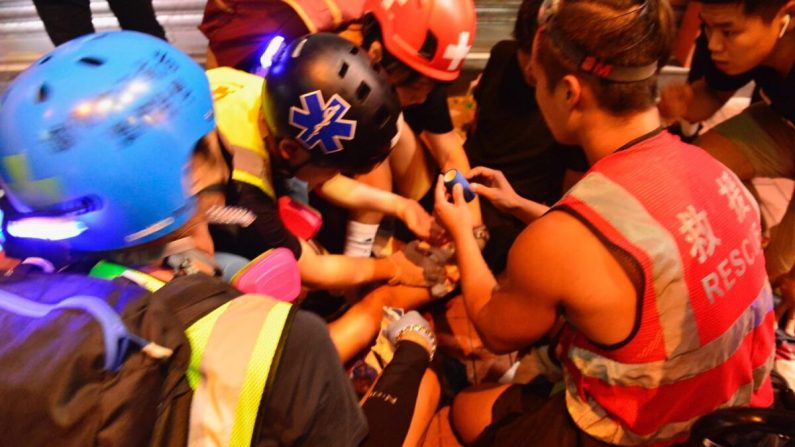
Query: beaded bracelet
x,y
424,331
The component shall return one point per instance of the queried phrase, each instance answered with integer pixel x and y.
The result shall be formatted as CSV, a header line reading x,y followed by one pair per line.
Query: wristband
x,y
424,332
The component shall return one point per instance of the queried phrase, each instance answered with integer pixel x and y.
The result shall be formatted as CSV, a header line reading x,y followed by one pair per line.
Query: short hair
x,y
764,9
371,33
526,25
620,32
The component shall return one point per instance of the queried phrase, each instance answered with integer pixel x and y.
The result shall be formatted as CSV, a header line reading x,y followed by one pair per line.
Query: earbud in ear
x,y
785,26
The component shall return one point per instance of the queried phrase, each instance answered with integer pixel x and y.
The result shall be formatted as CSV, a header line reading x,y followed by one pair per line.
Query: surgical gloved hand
x,y
412,327
407,273
433,261
419,265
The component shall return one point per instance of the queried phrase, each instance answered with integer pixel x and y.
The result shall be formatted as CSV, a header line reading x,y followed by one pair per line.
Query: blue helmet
x,y
96,139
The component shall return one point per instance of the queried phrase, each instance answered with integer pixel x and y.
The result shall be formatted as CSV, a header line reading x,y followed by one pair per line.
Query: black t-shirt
x,y
433,115
265,233
510,133
777,91
311,402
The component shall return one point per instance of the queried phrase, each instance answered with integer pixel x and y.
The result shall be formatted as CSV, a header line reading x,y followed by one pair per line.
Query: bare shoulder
x,y
555,237
559,257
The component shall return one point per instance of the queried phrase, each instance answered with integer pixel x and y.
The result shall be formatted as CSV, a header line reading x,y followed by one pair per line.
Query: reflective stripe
x,y
198,334
310,24
610,394
625,213
256,374
229,367
109,270
591,417
685,365
252,168
237,96
246,177
234,365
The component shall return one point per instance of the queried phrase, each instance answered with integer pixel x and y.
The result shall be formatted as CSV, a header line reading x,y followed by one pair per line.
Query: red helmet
x,y
431,36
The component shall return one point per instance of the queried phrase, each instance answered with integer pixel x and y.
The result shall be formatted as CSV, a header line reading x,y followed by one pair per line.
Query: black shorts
x,y
525,415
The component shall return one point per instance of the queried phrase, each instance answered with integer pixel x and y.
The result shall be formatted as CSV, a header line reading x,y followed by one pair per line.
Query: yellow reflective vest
x,y
234,350
237,96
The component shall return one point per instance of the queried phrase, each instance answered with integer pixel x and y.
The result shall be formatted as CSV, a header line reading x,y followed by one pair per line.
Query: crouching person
x,y
653,259
133,341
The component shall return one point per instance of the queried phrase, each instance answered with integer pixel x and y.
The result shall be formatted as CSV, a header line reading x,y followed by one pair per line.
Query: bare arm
x,y
447,150
380,178
348,193
509,316
520,310
326,271
556,263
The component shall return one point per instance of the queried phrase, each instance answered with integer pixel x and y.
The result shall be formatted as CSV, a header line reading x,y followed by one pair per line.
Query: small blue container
x,y
452,177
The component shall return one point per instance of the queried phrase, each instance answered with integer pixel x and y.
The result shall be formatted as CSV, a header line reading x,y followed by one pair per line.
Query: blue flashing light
x,y
47,228
266,60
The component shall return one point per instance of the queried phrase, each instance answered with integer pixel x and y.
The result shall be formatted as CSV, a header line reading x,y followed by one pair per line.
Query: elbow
x,y
495,344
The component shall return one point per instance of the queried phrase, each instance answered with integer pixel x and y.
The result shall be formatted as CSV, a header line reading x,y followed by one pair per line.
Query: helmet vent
x,y
429,46
93,61
363,91
43,93
382,117
44,59
343,70
354,49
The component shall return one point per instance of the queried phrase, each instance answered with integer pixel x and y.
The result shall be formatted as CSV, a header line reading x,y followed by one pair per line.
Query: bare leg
x,y
427,402
413,170
471,410
359,326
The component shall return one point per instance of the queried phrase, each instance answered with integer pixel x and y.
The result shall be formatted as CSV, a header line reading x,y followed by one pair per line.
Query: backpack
x,y
87,361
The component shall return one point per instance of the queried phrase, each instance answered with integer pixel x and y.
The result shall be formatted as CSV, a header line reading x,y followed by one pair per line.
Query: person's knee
x,y
466,425
471,411
376,299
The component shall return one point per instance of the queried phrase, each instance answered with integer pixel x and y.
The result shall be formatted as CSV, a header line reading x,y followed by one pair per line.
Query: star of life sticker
x,y
322,122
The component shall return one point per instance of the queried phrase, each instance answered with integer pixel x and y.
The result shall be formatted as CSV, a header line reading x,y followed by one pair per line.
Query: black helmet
x,y
324,92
